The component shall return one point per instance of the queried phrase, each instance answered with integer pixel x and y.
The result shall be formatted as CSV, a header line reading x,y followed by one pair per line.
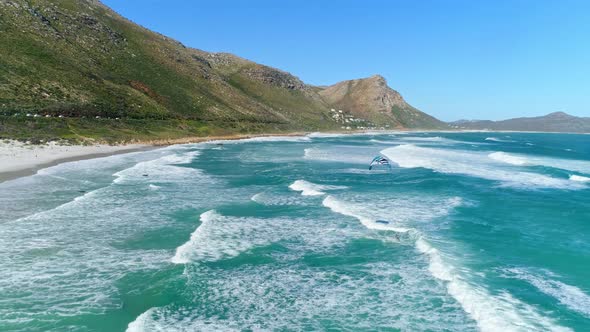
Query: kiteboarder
x,y
379,160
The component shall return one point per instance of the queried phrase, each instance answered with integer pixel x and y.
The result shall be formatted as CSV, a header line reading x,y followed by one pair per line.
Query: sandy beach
x,y
20,159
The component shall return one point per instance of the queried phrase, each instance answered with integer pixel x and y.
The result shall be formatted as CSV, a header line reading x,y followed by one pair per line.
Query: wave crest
x,y
471,164
311,189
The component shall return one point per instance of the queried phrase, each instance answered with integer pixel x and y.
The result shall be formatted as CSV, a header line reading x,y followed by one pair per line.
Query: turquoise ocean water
x,y
465,232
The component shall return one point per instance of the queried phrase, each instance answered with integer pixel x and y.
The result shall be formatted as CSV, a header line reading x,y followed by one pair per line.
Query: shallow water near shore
x,y
465,231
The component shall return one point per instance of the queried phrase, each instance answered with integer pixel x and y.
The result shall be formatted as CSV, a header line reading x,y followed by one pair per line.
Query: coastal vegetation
x,y
77,70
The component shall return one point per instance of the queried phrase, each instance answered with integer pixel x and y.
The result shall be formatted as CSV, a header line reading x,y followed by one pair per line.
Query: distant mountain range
x,y
76,69
553,122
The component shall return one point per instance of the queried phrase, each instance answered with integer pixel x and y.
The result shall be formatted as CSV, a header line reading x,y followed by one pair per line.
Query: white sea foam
x,y
581,166
341,154
163,169
495,139
492,313
186,251
326,135
256,197
72,252
333,135
141,323
508,158
162,320
378,141
397,214
352,211
471,164
155,321
312,189
427,141
570,296
261,139
437,140
579,178
221,237
279,198
279,297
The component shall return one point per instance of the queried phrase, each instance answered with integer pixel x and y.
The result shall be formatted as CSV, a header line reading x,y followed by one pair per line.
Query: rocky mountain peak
x,y
372,99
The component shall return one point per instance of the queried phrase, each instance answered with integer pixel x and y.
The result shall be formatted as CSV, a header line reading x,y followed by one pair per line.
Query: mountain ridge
x,y
111,79
552,122
372,98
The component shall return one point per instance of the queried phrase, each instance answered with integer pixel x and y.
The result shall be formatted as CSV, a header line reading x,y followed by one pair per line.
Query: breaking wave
x,y
495,139
311,189
581,166
568,295
185,252
261,139
579,178
508,158
471,164
491,312
344,154
163,169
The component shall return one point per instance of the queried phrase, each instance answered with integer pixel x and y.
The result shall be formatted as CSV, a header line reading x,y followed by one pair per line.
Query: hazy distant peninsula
x,y
553,122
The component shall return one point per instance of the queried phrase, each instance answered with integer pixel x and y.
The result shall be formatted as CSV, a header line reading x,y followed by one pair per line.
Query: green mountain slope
x,y
80,60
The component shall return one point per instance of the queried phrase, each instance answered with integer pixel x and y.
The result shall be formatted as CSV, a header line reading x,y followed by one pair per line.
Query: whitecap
x,y
184,252
492,313
353,134
220,237
433,140
341,154
164,169
278,199
471,164
499,140
351,210
326,135
579,178
508,158
283,298
142,321
378,141
570,296
312,189
261,139
581,166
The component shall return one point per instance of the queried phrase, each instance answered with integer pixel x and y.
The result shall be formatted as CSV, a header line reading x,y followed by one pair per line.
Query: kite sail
x,y
379,160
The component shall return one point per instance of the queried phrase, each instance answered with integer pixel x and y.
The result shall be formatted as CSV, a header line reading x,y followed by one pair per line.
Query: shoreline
x,y
32,163
33,167
29,159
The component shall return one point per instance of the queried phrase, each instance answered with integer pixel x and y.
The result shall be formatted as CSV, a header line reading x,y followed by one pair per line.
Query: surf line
x,y
491,313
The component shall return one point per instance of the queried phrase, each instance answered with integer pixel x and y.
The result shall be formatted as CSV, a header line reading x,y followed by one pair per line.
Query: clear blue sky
x,y
453,59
